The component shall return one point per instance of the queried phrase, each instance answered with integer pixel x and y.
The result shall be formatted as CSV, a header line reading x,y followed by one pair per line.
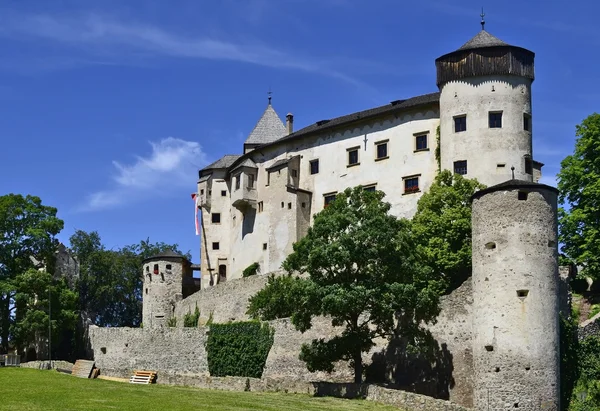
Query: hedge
x,y
238,349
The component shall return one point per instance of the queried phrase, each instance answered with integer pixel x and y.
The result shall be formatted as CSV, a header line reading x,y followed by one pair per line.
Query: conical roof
x,y
483,39
268,129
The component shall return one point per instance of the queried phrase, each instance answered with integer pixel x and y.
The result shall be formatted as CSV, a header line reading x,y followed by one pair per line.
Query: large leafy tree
x,y
110,285
363,273
45,299
579,195
27,229
442,226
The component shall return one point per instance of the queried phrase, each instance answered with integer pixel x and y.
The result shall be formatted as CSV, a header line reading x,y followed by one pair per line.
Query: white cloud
x,y
172,164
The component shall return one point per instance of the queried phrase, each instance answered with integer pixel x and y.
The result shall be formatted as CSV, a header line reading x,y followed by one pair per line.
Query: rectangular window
x,y
460,124
237,182
495,119
526,122
421,142
411,185
353,156
250,180
215,246
369,188
201,192
460,167
528,165
382,151
294,173
314,166
328,198
264,246
216,218
223,193
260,206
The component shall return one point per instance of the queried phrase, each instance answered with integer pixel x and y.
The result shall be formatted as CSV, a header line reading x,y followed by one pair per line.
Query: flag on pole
x,y
196,199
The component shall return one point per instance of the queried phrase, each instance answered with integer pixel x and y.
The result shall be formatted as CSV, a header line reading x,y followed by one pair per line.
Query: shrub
x,y
172,322
191,320
252,269
238,349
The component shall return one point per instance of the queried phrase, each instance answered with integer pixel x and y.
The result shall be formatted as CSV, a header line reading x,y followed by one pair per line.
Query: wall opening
x,y
490,246
155,268
289,206
264,246
146,291
497,369
103,349
522,293
147,268
489,348
282,204
222,273
522,195
168,266
516,405
527,368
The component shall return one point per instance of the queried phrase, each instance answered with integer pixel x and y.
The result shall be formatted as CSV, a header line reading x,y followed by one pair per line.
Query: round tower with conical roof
x,y
485,110
516,357
164,276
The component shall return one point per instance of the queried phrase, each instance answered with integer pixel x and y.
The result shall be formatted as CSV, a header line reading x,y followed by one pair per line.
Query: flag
x,y
196,199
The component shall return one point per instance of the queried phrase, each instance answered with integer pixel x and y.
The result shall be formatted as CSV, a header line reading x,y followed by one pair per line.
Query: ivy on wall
x,y
238,349
438,155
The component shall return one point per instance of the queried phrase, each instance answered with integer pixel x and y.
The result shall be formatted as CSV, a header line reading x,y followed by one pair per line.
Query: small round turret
x,y
163,283
515,297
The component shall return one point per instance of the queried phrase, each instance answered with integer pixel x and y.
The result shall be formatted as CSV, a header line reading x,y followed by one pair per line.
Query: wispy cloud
x,y
109,39
167,168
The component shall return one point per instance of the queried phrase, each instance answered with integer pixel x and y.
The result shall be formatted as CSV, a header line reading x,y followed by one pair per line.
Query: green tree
x,y
442,226
33,289
278,298
110,286
364,273
27,229
579,195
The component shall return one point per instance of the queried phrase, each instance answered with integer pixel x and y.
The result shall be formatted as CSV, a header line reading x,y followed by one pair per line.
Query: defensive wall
x,y
178,353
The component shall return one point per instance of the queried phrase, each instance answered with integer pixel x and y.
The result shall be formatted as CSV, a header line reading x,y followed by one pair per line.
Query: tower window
x,y
202,192
169,267
382,150
522,195
526,122
495,119
215,246
411,185
460,124
264,246
421,142
314,166
528,164
216,218
353,157
223,193
289,206
155,268
460,167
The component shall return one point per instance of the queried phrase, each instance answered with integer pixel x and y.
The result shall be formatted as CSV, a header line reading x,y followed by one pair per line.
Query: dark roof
x,y
165,254
323,125
513,184
268,129
481,40
224,162
278,163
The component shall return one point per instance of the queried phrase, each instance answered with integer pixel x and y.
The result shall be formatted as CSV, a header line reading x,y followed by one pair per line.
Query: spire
x,y
269,93
482,19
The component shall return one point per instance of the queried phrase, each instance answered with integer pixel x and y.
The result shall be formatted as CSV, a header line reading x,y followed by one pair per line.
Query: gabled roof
x,y
483,39
268,129
246,163
224,162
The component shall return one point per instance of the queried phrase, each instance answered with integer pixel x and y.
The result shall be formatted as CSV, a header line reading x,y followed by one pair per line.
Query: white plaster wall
x,y
481,146
521,362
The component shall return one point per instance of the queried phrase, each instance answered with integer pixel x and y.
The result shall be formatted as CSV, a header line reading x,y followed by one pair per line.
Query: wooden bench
x,y
143,377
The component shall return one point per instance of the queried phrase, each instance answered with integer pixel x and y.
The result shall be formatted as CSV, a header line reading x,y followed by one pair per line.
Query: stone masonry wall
x,y
119,351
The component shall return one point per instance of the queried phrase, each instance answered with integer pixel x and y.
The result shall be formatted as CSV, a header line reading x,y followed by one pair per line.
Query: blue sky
x,y
109,108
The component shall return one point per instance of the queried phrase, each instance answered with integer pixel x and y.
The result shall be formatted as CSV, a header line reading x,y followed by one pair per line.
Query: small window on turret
x,y
526,122
495,119
169,267
147,269
155,268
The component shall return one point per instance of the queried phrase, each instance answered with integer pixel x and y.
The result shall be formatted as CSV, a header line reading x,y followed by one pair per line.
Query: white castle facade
x,y
255,205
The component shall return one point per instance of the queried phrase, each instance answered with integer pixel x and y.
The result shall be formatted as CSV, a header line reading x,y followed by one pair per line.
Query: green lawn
x,y
29,389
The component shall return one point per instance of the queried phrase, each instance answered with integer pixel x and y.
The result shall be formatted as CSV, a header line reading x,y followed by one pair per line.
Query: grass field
x,y
24,389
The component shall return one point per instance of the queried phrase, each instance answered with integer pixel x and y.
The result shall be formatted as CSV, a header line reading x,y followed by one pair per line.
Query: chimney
x,y
289,123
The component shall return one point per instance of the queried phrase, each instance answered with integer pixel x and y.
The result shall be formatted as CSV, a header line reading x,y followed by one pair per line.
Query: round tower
x,y
515,297
163,285
485,110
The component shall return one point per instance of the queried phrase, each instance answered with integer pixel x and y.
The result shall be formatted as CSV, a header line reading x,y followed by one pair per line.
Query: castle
x,y
499,331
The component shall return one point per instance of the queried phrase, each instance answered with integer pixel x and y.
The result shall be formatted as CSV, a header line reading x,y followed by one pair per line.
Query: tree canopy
x,y
442,226
364,272
579,196
27,229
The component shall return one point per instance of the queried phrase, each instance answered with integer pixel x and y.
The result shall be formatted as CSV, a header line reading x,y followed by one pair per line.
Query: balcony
x,y
244,197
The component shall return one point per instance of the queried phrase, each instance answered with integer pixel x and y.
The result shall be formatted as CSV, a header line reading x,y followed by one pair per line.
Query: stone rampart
x,y
119,351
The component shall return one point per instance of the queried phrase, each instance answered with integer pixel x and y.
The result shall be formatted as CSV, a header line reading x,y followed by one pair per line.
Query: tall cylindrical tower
x,y
515,297
485,110
163,287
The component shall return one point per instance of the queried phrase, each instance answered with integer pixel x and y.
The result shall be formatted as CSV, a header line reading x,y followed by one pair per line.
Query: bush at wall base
x,y
238,349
